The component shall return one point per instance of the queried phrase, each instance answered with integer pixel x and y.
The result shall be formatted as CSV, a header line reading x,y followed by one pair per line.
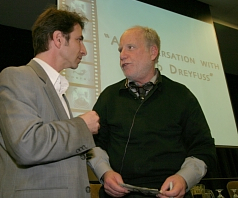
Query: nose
x,y
122,55
83,49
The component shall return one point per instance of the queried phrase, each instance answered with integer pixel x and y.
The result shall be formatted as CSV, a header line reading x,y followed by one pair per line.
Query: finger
x,y
114,193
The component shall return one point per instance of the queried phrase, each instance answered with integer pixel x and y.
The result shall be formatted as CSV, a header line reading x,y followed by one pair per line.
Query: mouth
x,y
123,65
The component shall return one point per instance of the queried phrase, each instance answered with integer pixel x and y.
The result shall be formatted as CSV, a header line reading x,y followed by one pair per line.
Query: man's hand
x,y
178,190
91,118
111,184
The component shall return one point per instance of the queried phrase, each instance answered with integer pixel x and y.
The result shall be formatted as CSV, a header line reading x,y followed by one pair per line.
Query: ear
x,y
153,52
58,38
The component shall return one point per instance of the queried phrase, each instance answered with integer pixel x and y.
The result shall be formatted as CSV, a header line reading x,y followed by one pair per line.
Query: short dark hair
x,y
51,20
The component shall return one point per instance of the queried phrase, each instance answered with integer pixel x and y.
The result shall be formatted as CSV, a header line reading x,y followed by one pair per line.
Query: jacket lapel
x,y
50,91
67,102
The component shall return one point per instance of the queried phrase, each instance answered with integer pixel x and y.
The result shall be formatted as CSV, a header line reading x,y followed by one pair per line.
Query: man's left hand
x,y
178,187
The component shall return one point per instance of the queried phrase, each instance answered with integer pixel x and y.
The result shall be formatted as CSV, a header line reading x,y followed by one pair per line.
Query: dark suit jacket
x,y
42,151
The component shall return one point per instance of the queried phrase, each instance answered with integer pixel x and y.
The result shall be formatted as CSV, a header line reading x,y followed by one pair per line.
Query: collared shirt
x,y
60,82
152,80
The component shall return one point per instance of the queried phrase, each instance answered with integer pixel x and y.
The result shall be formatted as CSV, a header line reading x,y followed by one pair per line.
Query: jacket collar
x,y
50,91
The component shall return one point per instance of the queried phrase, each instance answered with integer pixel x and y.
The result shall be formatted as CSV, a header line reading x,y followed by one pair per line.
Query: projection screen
x,y
189,55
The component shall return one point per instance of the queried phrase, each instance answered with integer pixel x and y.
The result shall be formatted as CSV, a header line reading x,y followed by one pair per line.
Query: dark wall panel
x,y
15,46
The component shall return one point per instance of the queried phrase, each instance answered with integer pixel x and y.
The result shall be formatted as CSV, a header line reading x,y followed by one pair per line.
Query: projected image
x,y
84,81
82,7
81,98
83,75
189,54
77,6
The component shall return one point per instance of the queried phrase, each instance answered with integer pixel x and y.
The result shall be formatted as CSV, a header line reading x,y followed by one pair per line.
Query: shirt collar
x,y
60,83
153,79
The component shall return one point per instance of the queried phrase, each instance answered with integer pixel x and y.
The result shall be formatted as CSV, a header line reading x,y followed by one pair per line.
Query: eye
x,y
131,47
80,39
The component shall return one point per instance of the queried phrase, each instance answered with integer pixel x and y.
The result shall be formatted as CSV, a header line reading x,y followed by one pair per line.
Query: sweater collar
x,y
156,81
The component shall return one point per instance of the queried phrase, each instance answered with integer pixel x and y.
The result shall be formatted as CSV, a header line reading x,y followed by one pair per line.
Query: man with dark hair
x,y
43,149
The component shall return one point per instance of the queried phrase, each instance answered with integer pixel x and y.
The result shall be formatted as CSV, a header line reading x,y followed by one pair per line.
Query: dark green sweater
x,y
165,128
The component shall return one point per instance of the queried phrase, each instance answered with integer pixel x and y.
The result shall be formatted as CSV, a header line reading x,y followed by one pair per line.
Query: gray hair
x,y
151,37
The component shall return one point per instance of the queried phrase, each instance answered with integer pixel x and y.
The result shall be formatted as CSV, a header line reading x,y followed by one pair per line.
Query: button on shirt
x,y
60,82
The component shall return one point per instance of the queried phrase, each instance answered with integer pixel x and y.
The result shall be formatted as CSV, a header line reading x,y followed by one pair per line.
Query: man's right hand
x,y
111,184
91,118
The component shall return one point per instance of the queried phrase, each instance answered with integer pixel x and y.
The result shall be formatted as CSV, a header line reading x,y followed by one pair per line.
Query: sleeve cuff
x,y
192,170
99,163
